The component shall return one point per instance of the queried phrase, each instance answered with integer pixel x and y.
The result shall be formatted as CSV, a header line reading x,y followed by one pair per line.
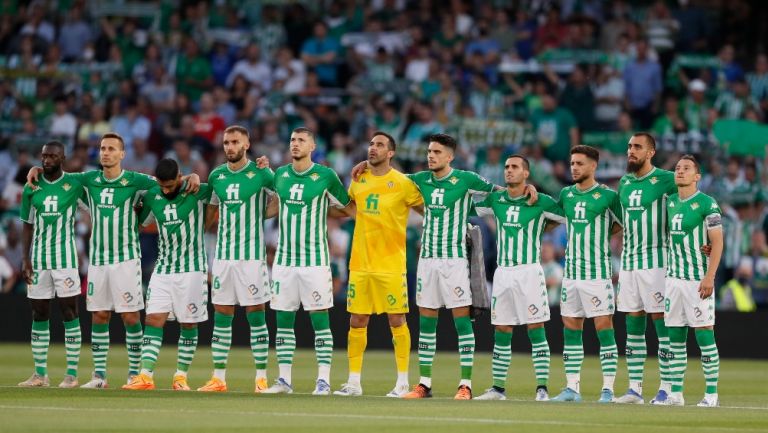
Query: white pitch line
x,y
452,420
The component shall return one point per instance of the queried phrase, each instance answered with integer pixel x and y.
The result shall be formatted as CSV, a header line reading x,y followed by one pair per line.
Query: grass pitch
x,y
743,394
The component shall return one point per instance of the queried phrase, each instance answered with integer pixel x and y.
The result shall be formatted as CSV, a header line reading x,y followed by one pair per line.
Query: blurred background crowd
x,y
503,76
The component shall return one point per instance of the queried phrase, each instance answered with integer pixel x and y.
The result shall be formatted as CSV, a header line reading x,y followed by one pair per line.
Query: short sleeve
x,y
27,210
616,208
336,192
269,178
479,185
713,216
553,211
145,214
484,207
144,182
351,190
413,196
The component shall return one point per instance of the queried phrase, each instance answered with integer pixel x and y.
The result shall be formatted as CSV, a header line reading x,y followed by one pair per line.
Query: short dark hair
x,y
444,139
237,128
588,151
392,144
304,130
167,169
57,144
689,157
648,136
526,163
114,135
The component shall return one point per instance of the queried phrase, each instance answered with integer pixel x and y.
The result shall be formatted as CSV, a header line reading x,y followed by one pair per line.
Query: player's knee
x,y
155,320
130,319
188,325
69,309
359,320
504,328
603,322
396,320
101,317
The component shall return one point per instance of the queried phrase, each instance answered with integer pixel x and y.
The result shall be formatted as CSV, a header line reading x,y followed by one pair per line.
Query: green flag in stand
x,y
742,137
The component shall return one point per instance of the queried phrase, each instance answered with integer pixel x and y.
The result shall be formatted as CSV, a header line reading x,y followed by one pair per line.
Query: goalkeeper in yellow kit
x,y
377,279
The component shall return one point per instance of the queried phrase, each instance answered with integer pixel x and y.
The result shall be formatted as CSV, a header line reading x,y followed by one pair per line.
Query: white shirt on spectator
x,y
295,78
604,111
65,125
417,70
258,74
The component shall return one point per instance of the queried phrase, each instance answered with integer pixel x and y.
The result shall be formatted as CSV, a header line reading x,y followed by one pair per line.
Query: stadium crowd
x,y
506,76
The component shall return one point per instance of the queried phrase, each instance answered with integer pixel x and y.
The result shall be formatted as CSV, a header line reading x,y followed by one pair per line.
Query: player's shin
x,y
609,357
710,358
636,351
259,341
502,355
573,356
663,336
220,343
357,340
72,343
133,341
427,347
540,354
466,336
150,349
323,344
41,337
401,341
100,348
285,343
188,338
678,360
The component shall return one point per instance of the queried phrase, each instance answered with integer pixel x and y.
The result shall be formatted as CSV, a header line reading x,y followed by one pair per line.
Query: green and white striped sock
x,y
636,351
72,342
133,343
221,341
186,350
663,335
100,348
150,348
259,341
427,347
285,343
466,348
323,344
678,360
609,356
41,338
502,355
573,357
710,358
540,354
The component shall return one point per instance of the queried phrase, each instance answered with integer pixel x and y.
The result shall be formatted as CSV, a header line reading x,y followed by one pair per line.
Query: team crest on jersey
x,y
654,180
221,176
453,180
250,175
123,182
66,186
694,206
596,195
390,184
314,176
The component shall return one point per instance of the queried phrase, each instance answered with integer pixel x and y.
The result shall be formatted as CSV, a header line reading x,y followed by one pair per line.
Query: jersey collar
x,y
692,196
51,182
438,179
586,191
303,172
247,163
122,173
653,170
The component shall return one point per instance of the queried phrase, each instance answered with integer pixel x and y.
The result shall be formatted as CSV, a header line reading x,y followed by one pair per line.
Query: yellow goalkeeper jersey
x,y
383,202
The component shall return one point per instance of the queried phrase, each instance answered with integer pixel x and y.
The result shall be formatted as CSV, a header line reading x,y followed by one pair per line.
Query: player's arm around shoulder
x,y
552,211
615,211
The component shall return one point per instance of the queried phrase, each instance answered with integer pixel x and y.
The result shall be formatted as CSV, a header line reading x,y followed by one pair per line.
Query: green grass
x,y
743,391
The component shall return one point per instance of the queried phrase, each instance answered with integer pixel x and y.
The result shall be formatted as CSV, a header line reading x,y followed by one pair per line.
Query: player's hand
x,y
26,270
359,169
193,184
706,287
33,175
262,161
532,193
706,249
138,207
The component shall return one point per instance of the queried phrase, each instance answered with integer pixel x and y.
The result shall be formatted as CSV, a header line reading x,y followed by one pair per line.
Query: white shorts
x,y
443,283
185,295
240,282
115,287
519,295
308,286
50,283
684,307
641,290
587,298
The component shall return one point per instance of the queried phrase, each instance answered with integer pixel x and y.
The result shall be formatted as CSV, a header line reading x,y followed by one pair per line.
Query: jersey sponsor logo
x,y
677,223
580,210
297,192
635,198
107,196
372,203
233,192
437,196
171,216
51,205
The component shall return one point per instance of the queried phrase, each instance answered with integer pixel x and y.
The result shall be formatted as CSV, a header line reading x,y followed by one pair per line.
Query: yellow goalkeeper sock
x,y
358,339
401,340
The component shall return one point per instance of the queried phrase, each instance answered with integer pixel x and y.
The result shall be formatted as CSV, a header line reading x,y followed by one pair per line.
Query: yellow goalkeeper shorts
x,y
376,293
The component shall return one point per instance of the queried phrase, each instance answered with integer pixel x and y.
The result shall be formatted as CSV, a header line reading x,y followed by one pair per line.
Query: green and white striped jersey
x,y
304,200
52,208
590,215
447,202
181,229
644,216
115,228
688,223
519,225
242,198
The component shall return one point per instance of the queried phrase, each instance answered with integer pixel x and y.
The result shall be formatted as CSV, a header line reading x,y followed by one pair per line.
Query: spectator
x,y
208,124
736,294
661,28
665,124
223,107
140,159
131,125
490,164
74,35
758,81
417,69
730,70
576,96
554,129
193,72
696,107
63,123
525,32
414,140
254,69
642,78
609,95
222,62
36,24
735,103
190,161
320,52
552,33
292,70
160,92
694,28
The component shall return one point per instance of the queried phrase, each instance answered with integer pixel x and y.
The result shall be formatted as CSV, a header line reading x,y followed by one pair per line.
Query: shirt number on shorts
x,y
351,291
35,276
276,285
563,295
90,289
666,305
